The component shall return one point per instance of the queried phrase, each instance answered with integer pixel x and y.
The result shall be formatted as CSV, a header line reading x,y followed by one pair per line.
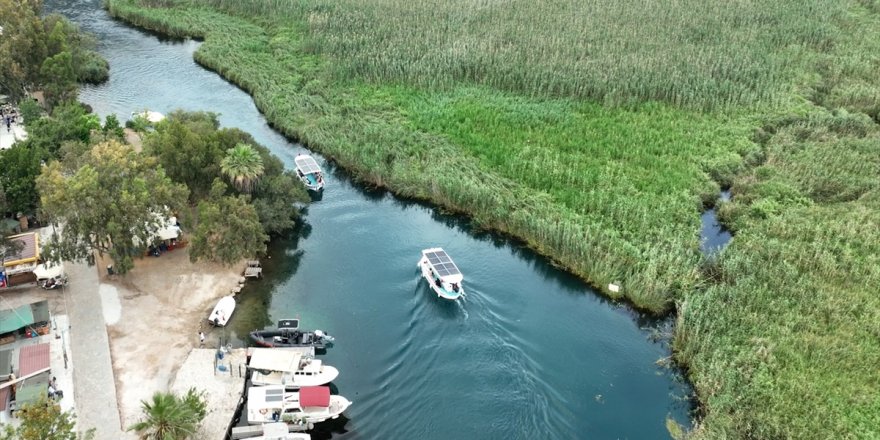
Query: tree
x,y
59,78
8,248
243,165
69,121
22,46
31,49
169,417
112,127
113,203
19,168
275,200
44,420
228,228
187,149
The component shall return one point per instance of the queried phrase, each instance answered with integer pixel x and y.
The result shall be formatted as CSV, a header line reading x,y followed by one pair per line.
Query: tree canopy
x,y
44,420
171,417
48,52
243,165
228,228
113,203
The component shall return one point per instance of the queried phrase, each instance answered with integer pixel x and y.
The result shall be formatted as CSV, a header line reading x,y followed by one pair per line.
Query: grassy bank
x,y
489,109
619,204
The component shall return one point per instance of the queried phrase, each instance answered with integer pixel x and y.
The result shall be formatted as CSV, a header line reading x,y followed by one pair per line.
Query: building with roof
x,y
19,269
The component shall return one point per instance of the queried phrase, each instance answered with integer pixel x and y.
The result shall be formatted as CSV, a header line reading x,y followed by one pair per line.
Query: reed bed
x,y
785,344
613,192
699,54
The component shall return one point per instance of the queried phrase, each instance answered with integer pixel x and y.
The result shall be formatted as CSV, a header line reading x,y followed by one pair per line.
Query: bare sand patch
x,y
164,303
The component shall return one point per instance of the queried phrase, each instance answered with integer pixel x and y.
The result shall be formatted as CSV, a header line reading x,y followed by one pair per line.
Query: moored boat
x,y
288,334
441,273
222,311
309,172
269,404
291,369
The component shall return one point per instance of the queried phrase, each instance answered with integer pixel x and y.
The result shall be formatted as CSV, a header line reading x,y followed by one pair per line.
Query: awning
x,y
48,270
33,358
274,360
314,396
14,319
169,230
5,363
32,390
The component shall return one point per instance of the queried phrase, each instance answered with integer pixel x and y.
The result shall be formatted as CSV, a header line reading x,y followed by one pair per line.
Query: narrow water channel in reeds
x,y
531,353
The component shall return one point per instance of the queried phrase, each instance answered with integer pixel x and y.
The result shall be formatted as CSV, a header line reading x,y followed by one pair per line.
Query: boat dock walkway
x,y
222,389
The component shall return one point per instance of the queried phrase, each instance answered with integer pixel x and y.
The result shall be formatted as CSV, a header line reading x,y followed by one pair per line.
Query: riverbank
x,y
648,169
748,360
154,315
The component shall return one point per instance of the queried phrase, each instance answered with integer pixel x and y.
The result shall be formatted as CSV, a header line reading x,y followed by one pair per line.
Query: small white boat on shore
x,y
441,273
309,172
291,369
270,404
222,311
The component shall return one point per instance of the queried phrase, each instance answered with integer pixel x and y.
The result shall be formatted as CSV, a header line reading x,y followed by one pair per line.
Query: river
x,y
532,353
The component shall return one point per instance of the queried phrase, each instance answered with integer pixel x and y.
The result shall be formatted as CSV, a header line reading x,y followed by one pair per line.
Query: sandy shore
x,y
153,316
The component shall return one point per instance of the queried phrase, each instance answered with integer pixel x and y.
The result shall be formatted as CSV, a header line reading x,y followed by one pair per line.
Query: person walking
x,y
201,338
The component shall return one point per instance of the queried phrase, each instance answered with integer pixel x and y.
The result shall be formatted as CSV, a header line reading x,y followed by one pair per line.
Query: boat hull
x,y
338,405
222,311
293,381
269,338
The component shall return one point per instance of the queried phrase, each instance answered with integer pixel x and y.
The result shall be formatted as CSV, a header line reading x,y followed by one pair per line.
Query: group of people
x,y
54,392
8,114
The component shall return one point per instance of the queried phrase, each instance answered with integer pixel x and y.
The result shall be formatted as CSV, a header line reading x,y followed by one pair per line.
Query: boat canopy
x,y
265,397
443,265
307,164
314,396
275,360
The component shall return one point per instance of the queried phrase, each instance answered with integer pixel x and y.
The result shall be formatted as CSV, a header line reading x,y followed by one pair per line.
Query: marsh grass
x,y
780,333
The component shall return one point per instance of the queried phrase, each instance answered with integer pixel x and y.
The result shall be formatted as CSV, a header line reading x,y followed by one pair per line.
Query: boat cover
x,y
314,396
307,164
275,360
443,265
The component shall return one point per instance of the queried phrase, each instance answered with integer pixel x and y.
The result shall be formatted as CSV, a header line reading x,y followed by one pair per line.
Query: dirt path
x,y
153,317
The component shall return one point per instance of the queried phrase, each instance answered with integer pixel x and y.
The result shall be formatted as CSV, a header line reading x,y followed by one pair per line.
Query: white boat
x,y
150,116
309,172
441,273
222,311
279,431
291,369
308,405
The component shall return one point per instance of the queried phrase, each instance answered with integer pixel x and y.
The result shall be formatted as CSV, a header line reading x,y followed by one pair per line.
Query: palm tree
x,y
169,417
243,165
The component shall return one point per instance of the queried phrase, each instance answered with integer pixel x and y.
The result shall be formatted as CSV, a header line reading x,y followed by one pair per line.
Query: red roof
x,y
33,358
314,396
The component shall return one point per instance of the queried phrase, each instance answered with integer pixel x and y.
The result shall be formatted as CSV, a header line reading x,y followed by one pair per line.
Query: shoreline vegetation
x,y
540,128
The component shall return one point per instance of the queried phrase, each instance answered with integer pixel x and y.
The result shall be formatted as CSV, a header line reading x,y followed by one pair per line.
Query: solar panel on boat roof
x,y
442,263
308,165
